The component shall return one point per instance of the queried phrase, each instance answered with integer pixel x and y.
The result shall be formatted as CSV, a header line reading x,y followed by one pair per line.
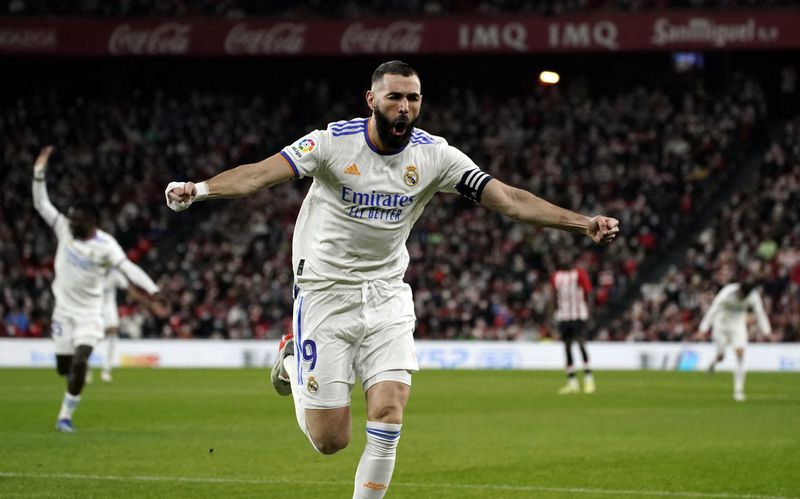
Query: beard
x,y
394,135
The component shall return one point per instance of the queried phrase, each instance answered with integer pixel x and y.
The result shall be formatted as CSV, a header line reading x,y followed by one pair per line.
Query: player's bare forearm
x,y
525,207
249,178
237,182
534,210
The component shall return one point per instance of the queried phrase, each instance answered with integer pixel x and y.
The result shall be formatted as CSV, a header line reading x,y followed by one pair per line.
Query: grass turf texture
x,y
466,434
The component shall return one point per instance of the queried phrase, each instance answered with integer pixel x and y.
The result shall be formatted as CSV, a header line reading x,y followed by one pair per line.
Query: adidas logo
x,y
352,170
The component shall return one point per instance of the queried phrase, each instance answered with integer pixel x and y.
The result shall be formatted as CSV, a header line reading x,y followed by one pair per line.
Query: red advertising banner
x,y
597,32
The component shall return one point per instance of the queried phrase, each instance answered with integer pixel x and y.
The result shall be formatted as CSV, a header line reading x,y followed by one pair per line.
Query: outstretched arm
x,y
237,182
155,303
761,316
137,276
708,318
41,201
525,207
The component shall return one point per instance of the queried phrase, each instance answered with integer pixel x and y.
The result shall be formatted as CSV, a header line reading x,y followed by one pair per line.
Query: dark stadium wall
x,y
500,74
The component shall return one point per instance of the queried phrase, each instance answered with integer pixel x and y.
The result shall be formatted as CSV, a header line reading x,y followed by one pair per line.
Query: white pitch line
x,y
475,486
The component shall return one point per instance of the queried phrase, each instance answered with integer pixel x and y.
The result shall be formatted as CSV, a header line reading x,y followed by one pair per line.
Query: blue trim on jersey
x,y
420,137
291,163
299,340
339,128
374,148
354,122
347,132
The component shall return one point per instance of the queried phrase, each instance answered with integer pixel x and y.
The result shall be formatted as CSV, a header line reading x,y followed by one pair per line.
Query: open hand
x,y
40,165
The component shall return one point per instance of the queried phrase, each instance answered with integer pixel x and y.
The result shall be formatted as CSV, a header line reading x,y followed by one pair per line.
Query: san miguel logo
x,y
411,177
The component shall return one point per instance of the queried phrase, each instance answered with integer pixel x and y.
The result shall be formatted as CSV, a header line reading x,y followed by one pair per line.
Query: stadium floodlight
x,y
549,77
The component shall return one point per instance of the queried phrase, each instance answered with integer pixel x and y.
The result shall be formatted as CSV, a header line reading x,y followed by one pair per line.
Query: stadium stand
x,y
654,155
671,309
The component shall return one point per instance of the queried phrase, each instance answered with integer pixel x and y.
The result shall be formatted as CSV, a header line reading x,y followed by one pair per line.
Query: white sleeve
x,y
705,324
53,217
119,280
460,174
136,275
306,155
761,315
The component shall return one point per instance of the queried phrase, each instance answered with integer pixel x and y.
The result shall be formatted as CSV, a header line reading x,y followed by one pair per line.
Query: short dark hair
x,y
87,208
393,68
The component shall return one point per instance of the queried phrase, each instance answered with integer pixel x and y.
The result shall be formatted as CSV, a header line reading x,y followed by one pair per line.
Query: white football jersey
x,y
729,313
81,268
363,202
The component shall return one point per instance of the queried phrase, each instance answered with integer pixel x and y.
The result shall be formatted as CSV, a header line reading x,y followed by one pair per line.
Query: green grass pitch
x,y
224,434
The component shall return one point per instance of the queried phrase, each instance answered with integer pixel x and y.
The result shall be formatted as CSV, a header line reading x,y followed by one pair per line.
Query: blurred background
x,y
679,118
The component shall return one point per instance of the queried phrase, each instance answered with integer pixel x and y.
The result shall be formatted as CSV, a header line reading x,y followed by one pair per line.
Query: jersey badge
x,y
352,170
303,147
411,177
313,386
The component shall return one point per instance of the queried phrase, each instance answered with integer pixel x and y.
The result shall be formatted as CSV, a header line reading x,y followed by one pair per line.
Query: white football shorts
x,y
735,337
343,333
68,332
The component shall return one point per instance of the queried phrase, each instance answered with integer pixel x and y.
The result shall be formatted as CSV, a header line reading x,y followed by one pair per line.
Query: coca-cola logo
x,y
281,38
166,38
38,39
396,37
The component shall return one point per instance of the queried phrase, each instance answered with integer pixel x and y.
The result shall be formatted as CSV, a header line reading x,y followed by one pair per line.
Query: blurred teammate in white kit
x,y
727,318
84,257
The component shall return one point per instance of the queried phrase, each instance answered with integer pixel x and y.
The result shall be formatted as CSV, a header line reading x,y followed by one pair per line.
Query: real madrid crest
x,y
312,385
411,176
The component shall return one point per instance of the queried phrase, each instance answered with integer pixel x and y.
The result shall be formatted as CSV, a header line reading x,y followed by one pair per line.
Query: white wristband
x,y
202,191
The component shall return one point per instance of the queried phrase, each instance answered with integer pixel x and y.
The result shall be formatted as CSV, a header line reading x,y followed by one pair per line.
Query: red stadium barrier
x,y
596,32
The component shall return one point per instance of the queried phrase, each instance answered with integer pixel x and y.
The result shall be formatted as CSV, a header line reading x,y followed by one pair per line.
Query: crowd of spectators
x,y
756,234
352,8
644,155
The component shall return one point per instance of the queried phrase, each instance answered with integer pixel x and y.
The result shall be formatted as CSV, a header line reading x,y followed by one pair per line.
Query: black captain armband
x,y
472,183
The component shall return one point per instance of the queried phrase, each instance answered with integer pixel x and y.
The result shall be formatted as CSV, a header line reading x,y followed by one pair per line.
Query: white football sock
x,y
68,406
290,364
377,462
738,376
111,342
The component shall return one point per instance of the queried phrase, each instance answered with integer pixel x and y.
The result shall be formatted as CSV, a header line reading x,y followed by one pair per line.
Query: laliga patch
x,y
303,147
411,177
312,385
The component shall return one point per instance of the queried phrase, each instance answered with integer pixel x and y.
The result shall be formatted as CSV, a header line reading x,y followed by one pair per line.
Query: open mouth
x,y
399,128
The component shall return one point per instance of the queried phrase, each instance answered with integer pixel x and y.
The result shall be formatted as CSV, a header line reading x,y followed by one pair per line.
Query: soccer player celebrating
x,y
84,256
353,314
727,317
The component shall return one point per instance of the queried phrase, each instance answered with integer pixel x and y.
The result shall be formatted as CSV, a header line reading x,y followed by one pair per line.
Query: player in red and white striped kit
x,y
573,288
